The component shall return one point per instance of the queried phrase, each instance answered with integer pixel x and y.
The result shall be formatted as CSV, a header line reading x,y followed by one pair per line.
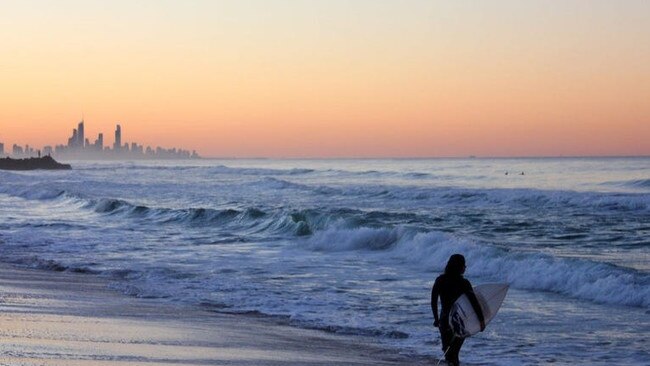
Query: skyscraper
x,y
117,146
81,139
99,143
2,149
17,151
72,141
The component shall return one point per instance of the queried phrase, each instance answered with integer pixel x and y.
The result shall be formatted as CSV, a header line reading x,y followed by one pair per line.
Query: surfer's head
x,y
455,265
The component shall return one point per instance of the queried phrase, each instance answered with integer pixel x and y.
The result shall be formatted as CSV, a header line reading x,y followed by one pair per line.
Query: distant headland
x,y
80,147
45,162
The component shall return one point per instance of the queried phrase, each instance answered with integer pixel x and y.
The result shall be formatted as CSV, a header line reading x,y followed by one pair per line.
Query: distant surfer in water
x,y
449,286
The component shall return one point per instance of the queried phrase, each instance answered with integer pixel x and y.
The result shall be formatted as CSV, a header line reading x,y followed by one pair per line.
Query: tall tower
x,y
117,146
81,138
72,141
99,144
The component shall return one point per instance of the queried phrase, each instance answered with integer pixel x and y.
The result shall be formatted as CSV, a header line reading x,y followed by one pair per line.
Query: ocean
x,y
353,246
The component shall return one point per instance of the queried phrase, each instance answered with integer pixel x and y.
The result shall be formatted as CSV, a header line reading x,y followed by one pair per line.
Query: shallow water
x,y
353,246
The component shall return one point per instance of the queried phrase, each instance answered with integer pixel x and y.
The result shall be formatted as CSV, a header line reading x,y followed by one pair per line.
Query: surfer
x,y
449,286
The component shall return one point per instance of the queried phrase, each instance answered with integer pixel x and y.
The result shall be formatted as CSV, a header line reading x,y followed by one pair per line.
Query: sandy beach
x,y
58,318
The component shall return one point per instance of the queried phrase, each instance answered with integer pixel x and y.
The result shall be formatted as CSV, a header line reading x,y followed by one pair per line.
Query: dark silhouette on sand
x,y
449,286
46,162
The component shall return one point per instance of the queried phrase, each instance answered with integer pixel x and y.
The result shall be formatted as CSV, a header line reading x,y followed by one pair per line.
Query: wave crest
x,y
574,277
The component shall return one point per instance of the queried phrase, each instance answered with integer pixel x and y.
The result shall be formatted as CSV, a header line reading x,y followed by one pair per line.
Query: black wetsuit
x,y
449,288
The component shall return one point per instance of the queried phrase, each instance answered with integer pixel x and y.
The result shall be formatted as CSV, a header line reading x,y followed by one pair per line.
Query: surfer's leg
x,y
454,350
449,343
446,335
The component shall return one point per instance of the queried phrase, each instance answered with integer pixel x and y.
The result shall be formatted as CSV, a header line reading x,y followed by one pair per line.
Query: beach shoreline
x,y
62,318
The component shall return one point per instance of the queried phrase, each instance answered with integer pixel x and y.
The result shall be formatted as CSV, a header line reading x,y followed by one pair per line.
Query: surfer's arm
x,y
475,304
434,303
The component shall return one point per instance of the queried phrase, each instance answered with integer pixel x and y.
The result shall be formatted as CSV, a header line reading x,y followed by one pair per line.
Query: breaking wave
x,y
633,183
578,278
411,195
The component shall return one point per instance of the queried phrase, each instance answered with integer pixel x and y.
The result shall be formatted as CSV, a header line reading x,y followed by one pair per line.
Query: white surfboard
x,y
462,317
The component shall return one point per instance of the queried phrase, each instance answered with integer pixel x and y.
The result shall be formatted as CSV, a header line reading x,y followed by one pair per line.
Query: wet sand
x,y
55,318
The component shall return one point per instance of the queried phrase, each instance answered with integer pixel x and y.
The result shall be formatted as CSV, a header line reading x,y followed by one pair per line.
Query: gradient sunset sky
x,y
331,78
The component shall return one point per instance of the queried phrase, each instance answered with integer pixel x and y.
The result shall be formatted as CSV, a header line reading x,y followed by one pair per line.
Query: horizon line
x,y
426,157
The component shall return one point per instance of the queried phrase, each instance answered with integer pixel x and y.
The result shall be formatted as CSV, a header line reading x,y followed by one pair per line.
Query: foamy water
x,y
353,246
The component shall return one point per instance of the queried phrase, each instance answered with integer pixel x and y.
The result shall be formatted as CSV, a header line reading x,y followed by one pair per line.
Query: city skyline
x,y
79,146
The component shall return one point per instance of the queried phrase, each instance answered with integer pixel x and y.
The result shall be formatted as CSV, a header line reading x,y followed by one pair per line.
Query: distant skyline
x,y
318,79
82,146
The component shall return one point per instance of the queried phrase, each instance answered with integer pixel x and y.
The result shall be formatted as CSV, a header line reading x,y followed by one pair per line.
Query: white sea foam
x,y
579,278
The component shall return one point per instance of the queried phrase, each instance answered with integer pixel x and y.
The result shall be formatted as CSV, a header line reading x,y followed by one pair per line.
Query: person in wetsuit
x,y
449,286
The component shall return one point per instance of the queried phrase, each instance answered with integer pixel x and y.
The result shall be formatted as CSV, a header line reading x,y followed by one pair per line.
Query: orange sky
x,y
300,78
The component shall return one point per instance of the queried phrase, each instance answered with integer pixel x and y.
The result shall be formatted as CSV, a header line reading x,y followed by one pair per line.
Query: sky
x,y
331,78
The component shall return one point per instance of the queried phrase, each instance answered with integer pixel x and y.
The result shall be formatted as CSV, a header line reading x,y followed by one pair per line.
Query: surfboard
x,y
462,317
